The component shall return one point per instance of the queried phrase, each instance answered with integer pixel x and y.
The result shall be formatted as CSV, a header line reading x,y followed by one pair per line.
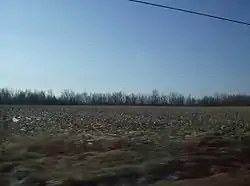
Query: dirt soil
x,y
77,146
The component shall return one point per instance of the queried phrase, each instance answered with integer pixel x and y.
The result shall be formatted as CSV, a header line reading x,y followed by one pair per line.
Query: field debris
x,y
70,146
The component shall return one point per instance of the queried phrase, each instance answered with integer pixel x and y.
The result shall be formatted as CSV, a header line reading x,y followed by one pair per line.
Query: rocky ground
x,y
75,146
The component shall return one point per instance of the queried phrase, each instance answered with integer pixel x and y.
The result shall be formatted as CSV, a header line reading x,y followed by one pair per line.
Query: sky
x,y
117,45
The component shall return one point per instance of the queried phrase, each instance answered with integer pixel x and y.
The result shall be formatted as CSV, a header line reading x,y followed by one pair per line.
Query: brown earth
x,y
142,146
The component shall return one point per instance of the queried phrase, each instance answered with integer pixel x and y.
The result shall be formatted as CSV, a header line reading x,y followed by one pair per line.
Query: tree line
x,y
68,97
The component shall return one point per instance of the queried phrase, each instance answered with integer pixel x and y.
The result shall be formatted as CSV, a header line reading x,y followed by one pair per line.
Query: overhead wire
x,y
190,12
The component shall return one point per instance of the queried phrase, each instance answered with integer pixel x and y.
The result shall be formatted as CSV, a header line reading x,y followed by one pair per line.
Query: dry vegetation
x,y
75,146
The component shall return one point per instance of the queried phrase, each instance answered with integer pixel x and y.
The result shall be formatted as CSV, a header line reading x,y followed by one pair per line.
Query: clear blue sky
x,y
116,45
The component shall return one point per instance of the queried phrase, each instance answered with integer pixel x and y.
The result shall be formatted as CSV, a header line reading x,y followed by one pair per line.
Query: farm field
x,y
123,145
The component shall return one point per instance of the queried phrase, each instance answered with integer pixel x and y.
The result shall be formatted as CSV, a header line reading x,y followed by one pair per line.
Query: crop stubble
x,y
117,144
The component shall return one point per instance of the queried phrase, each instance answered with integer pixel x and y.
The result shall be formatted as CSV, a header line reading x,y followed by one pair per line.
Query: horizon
x,y
112,46
14,92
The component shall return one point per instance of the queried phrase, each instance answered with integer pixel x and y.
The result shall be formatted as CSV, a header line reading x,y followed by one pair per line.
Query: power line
x,y
190,12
